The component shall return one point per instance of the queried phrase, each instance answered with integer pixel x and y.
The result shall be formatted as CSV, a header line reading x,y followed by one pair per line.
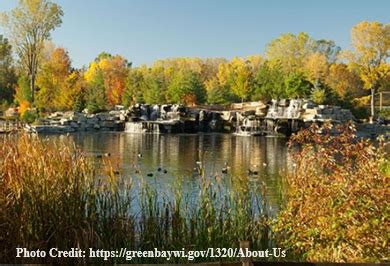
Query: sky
x,y
147,30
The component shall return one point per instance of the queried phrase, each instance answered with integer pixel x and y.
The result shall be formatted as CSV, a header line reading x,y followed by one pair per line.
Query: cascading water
x,y
135,127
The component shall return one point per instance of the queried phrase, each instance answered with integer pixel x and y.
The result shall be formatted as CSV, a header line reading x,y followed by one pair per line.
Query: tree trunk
x,y
32,87
373,104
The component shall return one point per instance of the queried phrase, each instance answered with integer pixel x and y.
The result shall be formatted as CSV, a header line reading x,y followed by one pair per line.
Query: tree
x,y
371,49
29,25
7,73
51,80
186,88
154,86
327,48
72,93
297,86
316,68
217,93
114,70
23,93
134,91
269,83
96,95
241,79
290,51
343,82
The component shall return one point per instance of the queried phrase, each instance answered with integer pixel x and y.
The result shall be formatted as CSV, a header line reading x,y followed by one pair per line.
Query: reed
x,y
52,195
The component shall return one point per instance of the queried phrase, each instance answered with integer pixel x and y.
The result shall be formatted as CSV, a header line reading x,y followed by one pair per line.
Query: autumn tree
x,y
218,87
290,51
7,72
241,78
72,92
29,25
371,50
343,82
316,68
51,80
114,71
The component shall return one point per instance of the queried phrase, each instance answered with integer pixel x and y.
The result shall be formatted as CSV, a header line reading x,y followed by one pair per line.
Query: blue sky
x,y
146,30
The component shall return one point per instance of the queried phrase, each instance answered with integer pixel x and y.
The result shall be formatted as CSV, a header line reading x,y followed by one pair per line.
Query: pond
x,y
164,159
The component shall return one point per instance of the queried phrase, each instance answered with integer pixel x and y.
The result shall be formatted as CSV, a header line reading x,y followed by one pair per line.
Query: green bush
x,y
318,95
384,113
29,116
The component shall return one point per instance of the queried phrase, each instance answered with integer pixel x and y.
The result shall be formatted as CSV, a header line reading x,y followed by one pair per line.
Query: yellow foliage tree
x,y
371,50
51,78
290,51
316,68
114,70
343,82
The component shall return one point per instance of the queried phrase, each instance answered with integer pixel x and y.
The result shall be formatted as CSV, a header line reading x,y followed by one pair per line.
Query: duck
x,y
107,154
150,174
225,168
165,171
159,169
252,172
139,155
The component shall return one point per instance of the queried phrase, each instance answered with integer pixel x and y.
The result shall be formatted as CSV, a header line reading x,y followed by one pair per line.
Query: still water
x,y
178,156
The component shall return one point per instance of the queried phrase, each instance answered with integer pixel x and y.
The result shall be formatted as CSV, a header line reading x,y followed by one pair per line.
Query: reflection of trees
x,y
179,153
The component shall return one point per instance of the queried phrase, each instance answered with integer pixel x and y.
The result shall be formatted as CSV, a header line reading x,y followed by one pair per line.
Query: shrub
x,y
337,208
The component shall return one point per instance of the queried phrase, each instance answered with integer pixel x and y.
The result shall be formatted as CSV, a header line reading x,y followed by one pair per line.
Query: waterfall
x,y
142,127
134,127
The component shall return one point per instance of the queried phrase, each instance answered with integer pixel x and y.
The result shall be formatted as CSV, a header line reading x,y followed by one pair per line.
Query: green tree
x,y
154,86
7,72
23,93
269,83
29,26
133,92
218,93
186,88
96,94
297,86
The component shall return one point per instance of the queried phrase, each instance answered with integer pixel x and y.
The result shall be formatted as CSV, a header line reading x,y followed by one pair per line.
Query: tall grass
x,y
52,195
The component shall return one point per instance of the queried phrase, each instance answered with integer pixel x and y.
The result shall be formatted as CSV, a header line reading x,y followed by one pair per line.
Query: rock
x,y
119,107
107,124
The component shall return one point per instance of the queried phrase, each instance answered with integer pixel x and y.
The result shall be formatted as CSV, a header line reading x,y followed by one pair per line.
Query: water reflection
x,y
178,154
